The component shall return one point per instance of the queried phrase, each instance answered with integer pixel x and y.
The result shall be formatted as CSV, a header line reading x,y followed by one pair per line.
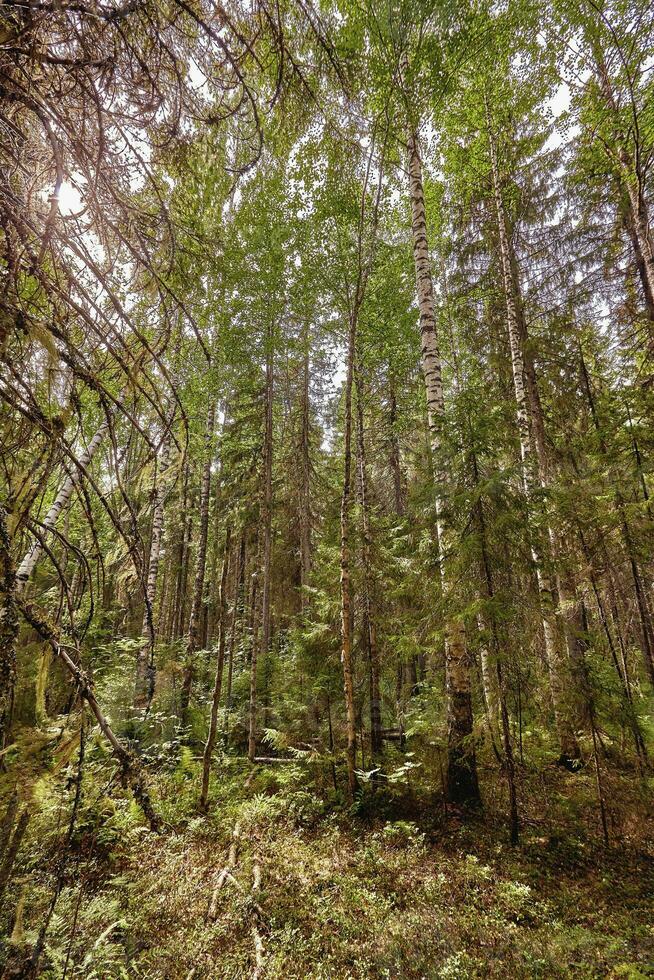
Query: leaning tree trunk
x,y
645,273
8,630
642,604
633,183
28,564
462,783
200,565
145,667
641,237
130,766
260,651
554,660
619,664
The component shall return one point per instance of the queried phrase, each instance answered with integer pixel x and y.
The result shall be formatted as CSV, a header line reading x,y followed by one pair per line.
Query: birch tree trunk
x,y
642,234
644,272
462,784
554,660
28,564
200,565
489,685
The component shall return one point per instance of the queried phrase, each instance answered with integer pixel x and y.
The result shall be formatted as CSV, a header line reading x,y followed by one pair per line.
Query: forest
x,y
326,463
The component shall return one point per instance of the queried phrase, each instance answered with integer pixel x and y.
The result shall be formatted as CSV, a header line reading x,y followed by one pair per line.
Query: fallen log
x,y
275,760
393,735
259,950
226,872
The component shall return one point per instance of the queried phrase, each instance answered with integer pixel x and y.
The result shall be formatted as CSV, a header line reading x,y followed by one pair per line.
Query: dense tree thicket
x,y
327,363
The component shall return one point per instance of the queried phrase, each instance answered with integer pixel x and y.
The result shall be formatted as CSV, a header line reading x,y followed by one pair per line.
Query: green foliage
x,y
244,217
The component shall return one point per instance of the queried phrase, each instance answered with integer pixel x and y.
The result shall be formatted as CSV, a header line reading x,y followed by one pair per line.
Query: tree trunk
x,y
217,686
8,857
184,529
28,564
145,666
394,449
641,237
489,686
633,182
644,615
305,482
622,673
644,273
462,784
130,766
376,744
530,469
200,564
266,526
398,502
238,616
346,580
496,695
8,631
213,604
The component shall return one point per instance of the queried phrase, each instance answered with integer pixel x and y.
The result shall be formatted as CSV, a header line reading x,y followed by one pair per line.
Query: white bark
x,y
28,564
490,686
462,777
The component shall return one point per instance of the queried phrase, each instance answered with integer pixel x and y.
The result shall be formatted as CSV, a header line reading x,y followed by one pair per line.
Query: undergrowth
x,y
384,889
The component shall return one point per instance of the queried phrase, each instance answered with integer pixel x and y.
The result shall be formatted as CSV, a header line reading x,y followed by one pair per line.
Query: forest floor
x,y
416,893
